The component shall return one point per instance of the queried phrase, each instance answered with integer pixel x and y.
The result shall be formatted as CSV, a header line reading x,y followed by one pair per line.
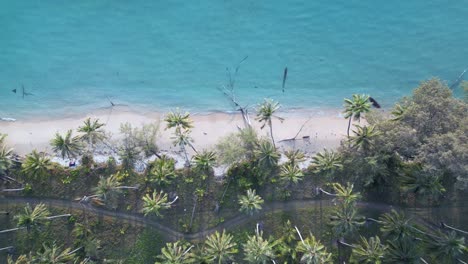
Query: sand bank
x,y
323,131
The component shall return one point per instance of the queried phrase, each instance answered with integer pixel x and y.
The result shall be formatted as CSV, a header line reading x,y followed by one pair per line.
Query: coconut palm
x,y
428,186
179,121
395,225
291,173
364,137
265,114
344,194
368,251
54,255
109,187
326,163
295,156
22,259
311,251
220,248
5,159
258,250
67,145
36,165
153,204
92,132
205,160
267,154
250,203
182,139
175,253
355,107
162,170
398,112
404,251
345,220
447,248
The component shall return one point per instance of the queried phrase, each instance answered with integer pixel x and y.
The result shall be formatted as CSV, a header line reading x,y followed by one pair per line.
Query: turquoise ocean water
x,y
158,55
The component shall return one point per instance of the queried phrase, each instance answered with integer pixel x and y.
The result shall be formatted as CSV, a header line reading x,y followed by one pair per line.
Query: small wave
x,y
7,119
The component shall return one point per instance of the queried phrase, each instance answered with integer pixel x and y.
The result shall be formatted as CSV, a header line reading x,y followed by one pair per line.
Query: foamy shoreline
x,y
325,129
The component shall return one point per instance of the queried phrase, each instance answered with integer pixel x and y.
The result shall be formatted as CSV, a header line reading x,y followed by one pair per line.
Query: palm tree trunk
x,y
6,248
271,133
453,228
187,161
193,210
11,230
58,216
349,124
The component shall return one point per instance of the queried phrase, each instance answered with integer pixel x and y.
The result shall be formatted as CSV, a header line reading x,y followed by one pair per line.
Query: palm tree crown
x,y
154,203
291,173
364,137
368,251
175,253
259,250
265,114
220,247
326,163
32,217
36,165
251,202
92,131
267,154
67,145
355,107
205,160
179,121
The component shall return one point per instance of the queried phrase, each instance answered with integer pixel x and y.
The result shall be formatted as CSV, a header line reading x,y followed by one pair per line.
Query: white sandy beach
x,y
323,131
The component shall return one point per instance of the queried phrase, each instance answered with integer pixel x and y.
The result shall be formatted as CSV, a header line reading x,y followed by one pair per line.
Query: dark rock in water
x,y
374,102
14,90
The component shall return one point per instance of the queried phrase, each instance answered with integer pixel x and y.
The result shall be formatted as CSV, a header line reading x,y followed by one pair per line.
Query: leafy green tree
x,y
258,250
67,145
355,107
162,170
364,137
36,166
265,114
92,132
326,163
220,248
368,251
251,202
153,204
175,253
267,154
205,160
312,251
291,173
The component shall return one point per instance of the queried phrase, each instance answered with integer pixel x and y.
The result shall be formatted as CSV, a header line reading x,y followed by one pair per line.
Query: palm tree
x,y
205,160
109,187
22,259
363,137
312,251
183,139
220,247
250,203
267,154
92,132
153,204
36,165
54,255
66,145
344,194
265,114
398,112
295,156
428,186
355,107
291,173
395,225
5,159
447,248
179,121
175,253
32,218
345,220
162,170
258,250
326,163
369,251
404,251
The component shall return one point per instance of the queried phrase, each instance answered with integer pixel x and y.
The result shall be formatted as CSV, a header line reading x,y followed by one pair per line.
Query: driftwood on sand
x,y
298,132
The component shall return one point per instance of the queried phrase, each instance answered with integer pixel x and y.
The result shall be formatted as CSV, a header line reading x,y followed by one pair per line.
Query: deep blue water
x,y
158,55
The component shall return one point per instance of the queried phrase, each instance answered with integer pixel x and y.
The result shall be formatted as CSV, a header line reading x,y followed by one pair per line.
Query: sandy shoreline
x,y
324,131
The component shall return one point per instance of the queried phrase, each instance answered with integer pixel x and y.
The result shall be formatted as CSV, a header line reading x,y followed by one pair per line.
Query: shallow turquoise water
x,y
158,55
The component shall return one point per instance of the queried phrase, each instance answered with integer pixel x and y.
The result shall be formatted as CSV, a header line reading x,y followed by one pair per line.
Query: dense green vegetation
x,y
417,155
